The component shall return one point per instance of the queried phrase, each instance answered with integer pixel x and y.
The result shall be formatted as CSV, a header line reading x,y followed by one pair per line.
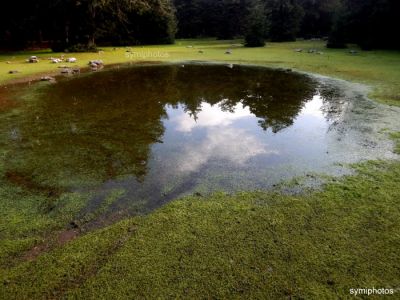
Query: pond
x,y
149,134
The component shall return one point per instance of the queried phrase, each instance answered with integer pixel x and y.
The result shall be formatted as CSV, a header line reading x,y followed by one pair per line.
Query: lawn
x,y
262,245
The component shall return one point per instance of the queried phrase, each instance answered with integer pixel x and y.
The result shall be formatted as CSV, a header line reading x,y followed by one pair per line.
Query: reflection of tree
x,y
94,128
100,127
274,97
333,103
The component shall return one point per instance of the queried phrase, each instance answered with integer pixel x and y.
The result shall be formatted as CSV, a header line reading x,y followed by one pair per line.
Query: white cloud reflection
x,y
222,141
314,108
210,116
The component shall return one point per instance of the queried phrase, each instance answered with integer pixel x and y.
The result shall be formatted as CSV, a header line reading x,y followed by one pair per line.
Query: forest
x,y
81,25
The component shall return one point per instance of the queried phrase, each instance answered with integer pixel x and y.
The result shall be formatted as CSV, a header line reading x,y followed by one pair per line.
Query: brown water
x,y
146,135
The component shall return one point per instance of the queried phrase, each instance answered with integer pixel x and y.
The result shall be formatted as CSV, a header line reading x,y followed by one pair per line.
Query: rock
x,y
33,59
47,78
96,65
96,62
13,72
71,60
65,71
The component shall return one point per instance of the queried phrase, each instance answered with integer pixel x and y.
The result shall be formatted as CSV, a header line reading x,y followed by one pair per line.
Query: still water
x,y
154,133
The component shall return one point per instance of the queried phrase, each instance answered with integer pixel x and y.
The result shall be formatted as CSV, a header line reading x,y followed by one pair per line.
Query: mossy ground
x,y
316,245
251,245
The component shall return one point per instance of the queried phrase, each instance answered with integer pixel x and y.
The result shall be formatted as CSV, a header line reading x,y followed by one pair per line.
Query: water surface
x,y
150,134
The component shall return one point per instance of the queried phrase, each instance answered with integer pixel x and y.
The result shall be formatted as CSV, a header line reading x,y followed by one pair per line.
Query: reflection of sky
x,y
217,137
313,108
230,151
237,139
209,116
233,144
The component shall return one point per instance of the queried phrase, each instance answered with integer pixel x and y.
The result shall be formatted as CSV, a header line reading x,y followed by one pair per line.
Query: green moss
x,y
251,245
396,138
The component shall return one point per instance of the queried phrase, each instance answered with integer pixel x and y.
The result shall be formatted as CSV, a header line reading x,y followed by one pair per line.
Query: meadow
x,y
314,245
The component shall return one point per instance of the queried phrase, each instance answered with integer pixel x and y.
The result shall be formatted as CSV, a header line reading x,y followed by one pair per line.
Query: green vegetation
x,y
80,26
260,245
379,69
249,245
396,138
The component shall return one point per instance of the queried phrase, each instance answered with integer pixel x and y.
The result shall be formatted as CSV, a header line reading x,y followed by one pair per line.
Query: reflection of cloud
x,y
235,145
210,116
314,107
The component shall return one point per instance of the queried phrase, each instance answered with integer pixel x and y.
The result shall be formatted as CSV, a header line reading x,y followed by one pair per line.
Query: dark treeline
x,y
81,24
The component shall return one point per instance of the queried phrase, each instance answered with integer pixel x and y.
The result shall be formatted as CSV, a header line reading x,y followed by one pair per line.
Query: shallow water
x,y
154,133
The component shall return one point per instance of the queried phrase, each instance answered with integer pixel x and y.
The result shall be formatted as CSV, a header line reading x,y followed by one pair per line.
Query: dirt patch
x,y
6,102
51,242
33,253
25,182
67,236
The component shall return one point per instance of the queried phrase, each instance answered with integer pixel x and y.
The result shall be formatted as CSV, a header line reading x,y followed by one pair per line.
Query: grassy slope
x,y
258,245
252,244
380,69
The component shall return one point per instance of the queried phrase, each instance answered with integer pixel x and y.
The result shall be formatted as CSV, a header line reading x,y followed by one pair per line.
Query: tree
x,y
283,19
255,29
80,24
369,23
318,17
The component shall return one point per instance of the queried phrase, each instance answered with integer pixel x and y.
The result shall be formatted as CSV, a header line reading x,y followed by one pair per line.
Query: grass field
x,y
379,69
316,245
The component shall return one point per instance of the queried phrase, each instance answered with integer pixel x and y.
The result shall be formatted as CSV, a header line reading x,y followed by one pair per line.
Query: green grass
x,y
250,245
396,137
379,69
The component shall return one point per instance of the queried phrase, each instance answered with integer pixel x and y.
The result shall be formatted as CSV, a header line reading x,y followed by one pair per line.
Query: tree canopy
x,y
83,24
